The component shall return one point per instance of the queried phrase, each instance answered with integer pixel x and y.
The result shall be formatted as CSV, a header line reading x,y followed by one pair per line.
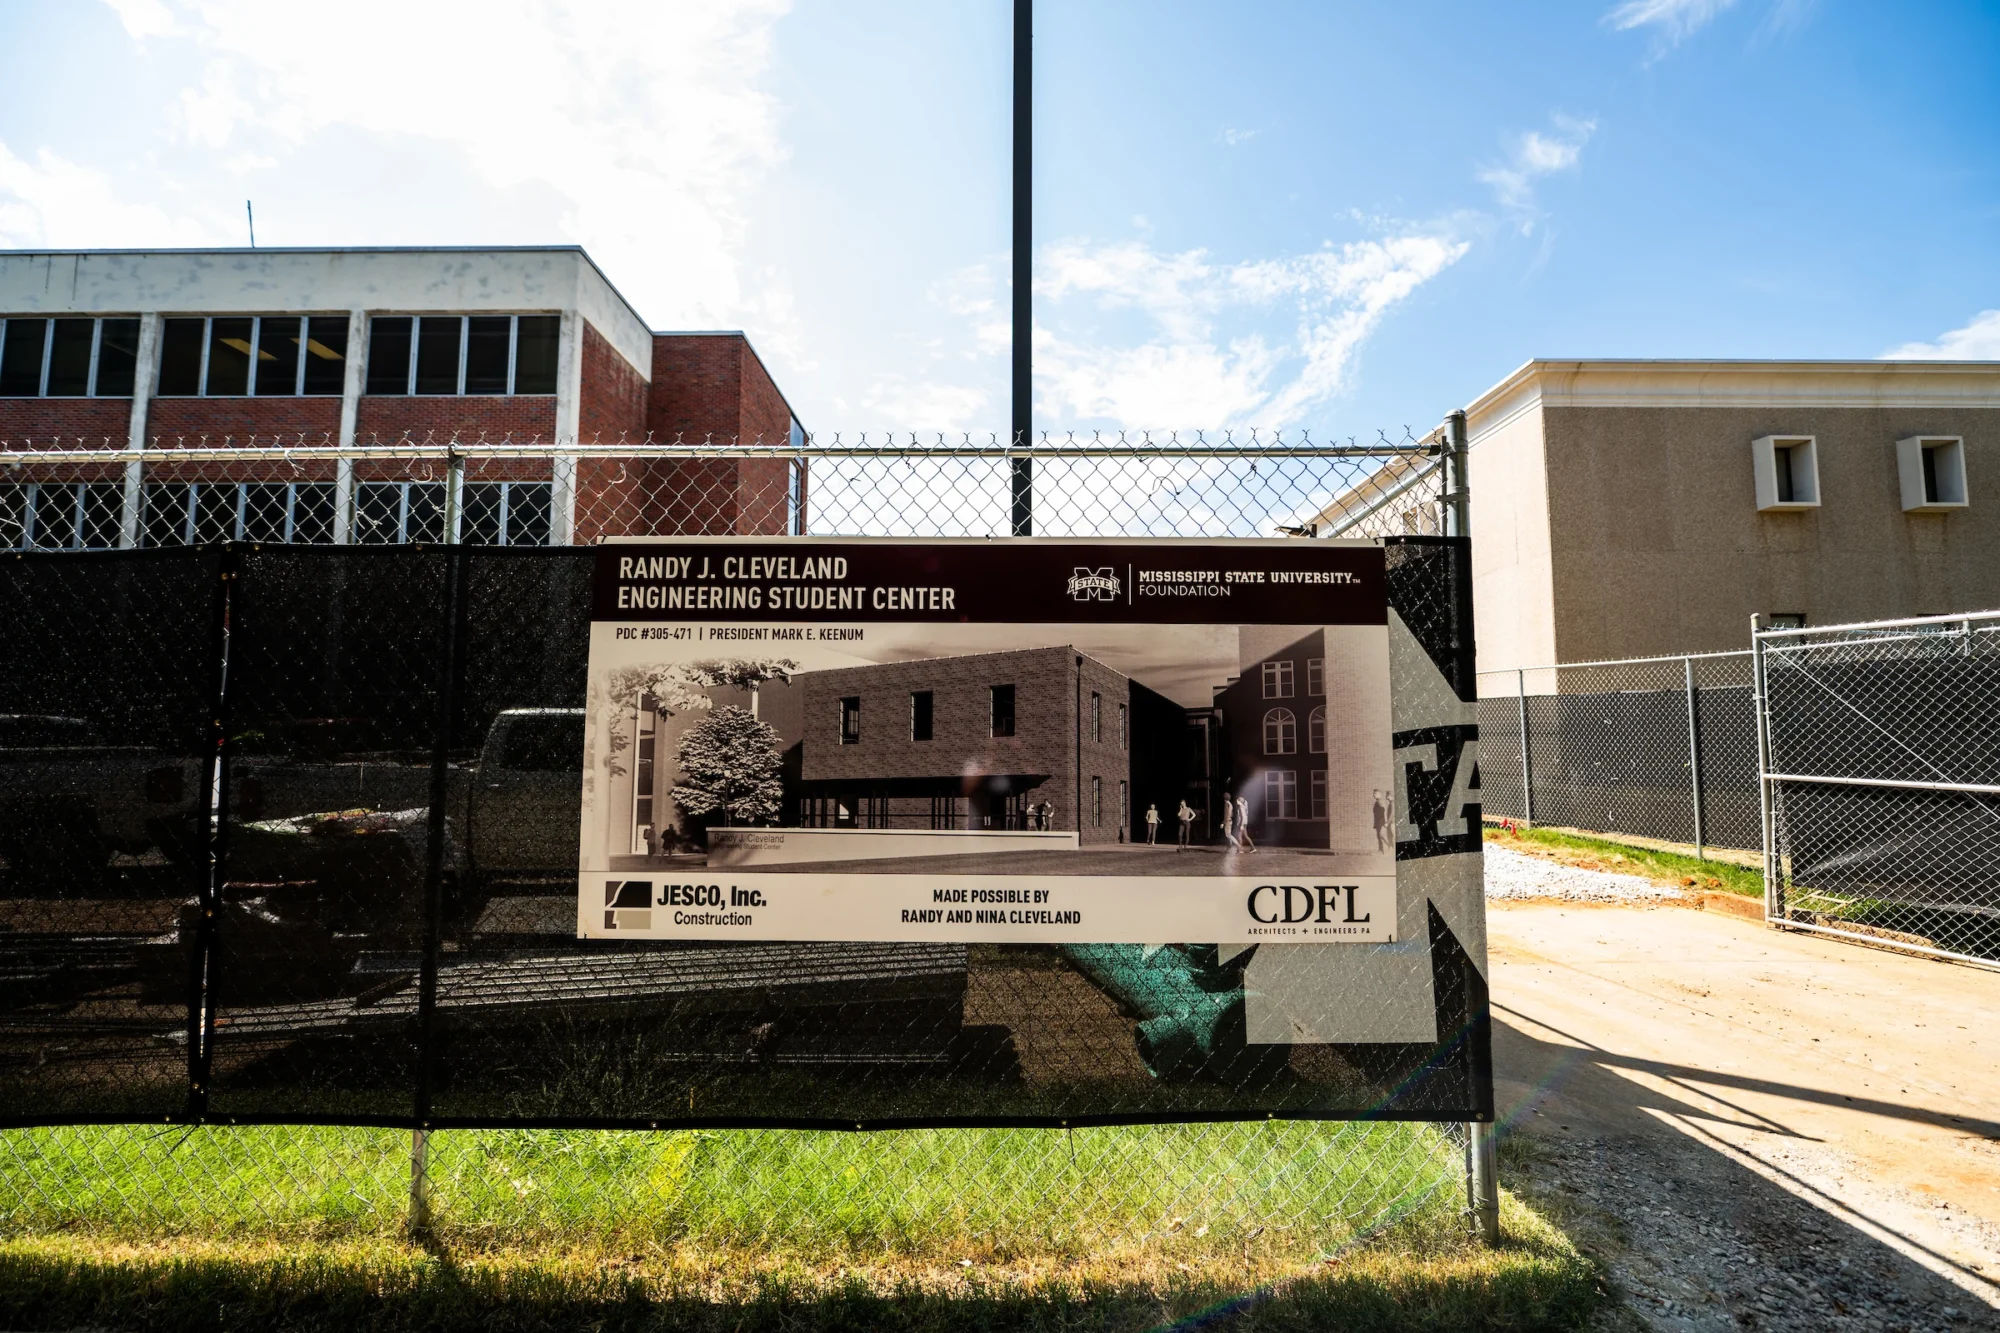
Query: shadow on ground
x,y
1693,1237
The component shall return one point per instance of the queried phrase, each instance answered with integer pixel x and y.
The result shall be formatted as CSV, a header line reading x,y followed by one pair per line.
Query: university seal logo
x,y
1093,585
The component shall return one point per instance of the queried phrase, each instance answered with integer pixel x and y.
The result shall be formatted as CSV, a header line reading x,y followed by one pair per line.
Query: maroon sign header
x,y
1024,581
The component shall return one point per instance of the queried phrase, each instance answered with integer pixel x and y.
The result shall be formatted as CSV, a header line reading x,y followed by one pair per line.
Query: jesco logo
x,y
1297,904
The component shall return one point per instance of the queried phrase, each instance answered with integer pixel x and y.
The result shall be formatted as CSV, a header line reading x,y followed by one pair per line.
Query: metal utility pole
x,y
1024,305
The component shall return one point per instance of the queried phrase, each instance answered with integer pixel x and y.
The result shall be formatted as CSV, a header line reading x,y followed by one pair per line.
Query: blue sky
x,y
1343,218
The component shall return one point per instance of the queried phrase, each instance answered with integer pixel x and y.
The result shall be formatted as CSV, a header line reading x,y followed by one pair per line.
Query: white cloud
x,y
1674,20
646,128
925,405
1263,343
1978,340
1531,157
143,18
53,203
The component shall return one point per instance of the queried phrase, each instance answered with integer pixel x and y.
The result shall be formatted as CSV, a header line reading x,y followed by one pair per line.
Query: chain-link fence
x,y
1660,748
287,751
68,495
1883,781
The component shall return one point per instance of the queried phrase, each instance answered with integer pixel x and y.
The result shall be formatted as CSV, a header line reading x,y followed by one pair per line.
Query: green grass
x,y
1294,1187
1632,859
303,1228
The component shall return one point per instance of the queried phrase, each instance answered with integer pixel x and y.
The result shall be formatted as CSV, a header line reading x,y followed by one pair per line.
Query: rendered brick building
x,y
970,742
1297,743
123,350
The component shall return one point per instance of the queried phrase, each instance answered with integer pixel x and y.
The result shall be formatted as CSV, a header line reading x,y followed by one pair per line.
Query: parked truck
x,y
69,802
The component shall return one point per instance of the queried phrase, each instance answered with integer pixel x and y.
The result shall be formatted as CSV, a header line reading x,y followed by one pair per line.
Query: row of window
x,y
1097,803
999,721
68,358
1278,678
1930,471
235,356
71,516
1281,731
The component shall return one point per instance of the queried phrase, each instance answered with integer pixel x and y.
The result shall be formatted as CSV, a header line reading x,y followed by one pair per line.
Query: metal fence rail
x,y
1881,773
329,1006
1656,747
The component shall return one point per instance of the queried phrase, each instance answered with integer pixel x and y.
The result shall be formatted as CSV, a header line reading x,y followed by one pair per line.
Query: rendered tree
x,y
729,767
742,673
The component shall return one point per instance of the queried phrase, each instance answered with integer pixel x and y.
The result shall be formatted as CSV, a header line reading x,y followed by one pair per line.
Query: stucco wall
x,y
1512,575
1657,546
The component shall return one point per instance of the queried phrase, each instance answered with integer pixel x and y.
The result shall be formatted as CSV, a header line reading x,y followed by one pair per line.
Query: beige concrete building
x,y
1638,508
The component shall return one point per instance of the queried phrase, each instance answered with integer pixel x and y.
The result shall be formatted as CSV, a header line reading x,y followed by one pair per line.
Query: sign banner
x,y
1039,741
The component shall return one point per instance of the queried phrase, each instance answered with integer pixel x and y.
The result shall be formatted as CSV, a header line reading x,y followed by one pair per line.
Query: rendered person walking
x,y
1228,822
1243,826
1187,824
1152,825
1381,821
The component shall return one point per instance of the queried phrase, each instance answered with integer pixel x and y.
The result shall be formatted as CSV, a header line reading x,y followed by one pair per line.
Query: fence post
x,y
1760,695
1483,1172
1694,755
449,667
1458,488
1527,771
420,1182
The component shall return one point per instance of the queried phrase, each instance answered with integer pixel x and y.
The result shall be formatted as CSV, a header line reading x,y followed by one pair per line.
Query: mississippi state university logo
x,y
1093,585
628,904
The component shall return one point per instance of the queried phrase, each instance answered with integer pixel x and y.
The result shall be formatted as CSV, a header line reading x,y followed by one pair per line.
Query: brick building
x,y
120,350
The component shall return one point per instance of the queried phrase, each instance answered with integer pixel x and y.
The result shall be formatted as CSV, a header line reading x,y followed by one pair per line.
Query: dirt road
x,y
1775,1131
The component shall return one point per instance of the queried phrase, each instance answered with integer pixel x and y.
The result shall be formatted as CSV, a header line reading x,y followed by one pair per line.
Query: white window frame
x,y
1278,679
1286,728
645,727
1315,676
240,522
1764,469
1316,730
1947,455
1281,793
35,499
49,350
1316,802
464,350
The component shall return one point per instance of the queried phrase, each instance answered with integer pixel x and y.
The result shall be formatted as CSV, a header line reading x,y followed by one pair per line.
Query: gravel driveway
x,y
1753,1129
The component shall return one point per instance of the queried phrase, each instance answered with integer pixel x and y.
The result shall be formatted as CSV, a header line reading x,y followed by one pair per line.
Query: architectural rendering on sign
x,y
730,750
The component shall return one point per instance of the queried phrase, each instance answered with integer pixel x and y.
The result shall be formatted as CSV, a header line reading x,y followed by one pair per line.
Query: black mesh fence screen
x,y
1655,747
389,931
108,671
288,849
1885,756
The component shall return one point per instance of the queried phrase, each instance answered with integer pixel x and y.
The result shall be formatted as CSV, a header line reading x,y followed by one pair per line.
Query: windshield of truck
x,y
542,742
27,731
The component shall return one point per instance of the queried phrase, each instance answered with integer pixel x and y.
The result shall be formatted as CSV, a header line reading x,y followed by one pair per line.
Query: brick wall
x,y
171,419
522,417
45,420
1244,708
713,387
1044,744
613,397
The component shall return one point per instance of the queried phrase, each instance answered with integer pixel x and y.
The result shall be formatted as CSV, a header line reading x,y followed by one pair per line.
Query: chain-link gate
x,y
246,718
1658,747
1882,780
